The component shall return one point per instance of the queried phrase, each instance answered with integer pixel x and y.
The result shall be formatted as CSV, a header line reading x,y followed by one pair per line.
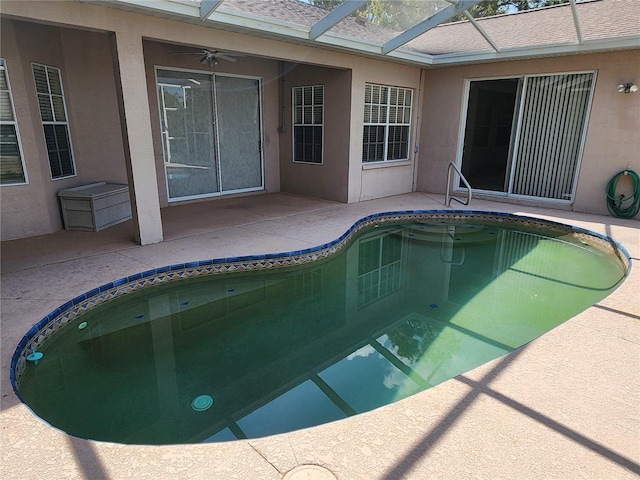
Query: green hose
x,y
618,205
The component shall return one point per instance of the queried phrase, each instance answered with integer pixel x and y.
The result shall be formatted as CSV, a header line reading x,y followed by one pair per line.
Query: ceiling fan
x,y
211,57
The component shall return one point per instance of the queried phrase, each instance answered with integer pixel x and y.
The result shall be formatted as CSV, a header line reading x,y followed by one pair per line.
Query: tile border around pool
x,y
54,321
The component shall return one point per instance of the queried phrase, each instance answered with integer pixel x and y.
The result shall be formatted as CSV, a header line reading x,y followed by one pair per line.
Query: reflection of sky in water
x,y
362,352
302,406
450,353
224,435
367,380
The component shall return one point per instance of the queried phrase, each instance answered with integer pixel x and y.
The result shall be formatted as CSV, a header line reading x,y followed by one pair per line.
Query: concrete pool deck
x,y
566,405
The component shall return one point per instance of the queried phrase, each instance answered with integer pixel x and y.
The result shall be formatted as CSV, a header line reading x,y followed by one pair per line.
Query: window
x,y
54,120
307,123
12,171
387,119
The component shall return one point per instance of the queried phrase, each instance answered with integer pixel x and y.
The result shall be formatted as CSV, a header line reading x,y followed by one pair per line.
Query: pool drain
x,y
202,403
309,472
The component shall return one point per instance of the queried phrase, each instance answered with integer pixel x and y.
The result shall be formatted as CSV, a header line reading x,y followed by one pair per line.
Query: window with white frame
x,y
53,113
387,122
12,171
308,116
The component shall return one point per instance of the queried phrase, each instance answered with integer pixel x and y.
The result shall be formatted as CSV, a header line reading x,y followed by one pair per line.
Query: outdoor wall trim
x,y
587,46
387,164
349,44
182,8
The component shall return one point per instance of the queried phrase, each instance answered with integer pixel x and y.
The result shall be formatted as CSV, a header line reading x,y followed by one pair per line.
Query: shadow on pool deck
x,y
564,405
482,387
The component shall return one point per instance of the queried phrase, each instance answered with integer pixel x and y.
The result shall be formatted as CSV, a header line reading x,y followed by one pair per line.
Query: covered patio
x,y
391,107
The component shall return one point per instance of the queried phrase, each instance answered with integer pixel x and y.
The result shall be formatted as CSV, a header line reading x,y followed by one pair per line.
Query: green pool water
x,y
402,308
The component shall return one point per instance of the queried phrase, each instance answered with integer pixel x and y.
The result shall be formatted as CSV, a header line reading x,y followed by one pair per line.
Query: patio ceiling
x,y
579,26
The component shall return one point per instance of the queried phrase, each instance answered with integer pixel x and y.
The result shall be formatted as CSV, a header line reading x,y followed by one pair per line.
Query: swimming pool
x,y
351,311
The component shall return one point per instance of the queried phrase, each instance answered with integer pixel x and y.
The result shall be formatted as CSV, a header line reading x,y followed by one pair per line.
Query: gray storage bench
x,y
95,206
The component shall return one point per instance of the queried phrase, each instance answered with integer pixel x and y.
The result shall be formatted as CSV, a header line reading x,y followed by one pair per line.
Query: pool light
x,y
202,403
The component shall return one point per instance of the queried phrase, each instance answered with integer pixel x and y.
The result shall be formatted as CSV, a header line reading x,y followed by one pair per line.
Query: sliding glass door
x,y
523,136
186,118
489,131
238,108
211,132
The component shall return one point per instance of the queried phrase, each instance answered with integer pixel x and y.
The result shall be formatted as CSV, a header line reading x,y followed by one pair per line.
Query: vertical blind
x,y
553,116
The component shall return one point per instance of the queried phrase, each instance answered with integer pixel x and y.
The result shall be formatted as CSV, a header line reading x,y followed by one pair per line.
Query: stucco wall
x,y
330,179
387,178
613,137
611,142
343,176
84,59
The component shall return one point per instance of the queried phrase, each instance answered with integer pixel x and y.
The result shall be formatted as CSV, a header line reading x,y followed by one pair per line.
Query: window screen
x,y
387,120
12,169
53,113
308,116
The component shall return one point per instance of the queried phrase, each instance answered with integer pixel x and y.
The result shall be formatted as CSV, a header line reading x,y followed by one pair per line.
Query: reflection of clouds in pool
x,y
362,352
394,378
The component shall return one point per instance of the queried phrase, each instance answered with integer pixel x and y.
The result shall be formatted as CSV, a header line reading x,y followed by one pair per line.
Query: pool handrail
x,y
448,197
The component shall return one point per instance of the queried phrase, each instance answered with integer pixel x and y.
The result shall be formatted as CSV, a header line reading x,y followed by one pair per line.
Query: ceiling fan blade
x,y
226,57
211,57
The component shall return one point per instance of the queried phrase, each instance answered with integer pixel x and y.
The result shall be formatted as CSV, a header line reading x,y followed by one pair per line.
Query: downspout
x,y
416,143
282,127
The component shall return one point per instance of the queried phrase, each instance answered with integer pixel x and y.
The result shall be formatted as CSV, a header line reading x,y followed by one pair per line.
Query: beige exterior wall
x,y
611,142
613,137
342,176
330,179
84,60
392,178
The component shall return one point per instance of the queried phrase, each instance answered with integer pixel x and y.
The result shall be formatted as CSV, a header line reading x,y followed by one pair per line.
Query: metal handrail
x,y
448,197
